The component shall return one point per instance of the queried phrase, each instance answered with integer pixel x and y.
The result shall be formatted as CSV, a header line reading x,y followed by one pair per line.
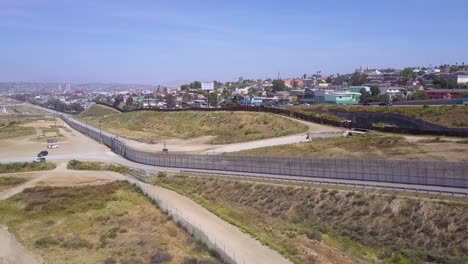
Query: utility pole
x,y
100,130
213,118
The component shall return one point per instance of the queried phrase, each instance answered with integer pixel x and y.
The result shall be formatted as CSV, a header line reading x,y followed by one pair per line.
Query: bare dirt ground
x,y
12,252
72,145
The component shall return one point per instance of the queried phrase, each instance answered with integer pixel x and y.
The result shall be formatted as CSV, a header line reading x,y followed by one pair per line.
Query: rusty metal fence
x,y
434,173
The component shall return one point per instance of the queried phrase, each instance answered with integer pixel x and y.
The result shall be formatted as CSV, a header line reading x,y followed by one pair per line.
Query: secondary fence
x,y
226,253
435,173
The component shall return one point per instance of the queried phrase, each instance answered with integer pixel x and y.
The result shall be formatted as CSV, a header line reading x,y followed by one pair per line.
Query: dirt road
x,y
12,252
241,247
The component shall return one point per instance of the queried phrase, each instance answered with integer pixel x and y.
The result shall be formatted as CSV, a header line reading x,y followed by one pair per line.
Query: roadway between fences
x,y
430,173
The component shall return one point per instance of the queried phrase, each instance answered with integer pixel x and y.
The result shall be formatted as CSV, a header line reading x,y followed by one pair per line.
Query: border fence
x,y
434,173
226,253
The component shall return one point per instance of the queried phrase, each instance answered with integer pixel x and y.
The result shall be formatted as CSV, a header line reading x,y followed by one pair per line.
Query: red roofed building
x,y
445,93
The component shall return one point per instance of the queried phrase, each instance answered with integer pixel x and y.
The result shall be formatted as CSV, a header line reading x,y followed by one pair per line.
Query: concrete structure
x,y
307,97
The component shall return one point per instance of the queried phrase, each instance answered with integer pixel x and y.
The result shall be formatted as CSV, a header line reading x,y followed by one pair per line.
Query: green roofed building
x,y
337,97
357,89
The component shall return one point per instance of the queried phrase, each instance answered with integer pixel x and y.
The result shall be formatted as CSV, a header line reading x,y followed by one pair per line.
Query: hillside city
x,y
364,86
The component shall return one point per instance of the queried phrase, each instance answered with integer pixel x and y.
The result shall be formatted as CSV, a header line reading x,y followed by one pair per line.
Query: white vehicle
x,y
40,159
53,146
465,102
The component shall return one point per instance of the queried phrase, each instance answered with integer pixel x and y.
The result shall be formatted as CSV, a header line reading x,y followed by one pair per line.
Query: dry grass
x,y
111,223
26,166
449,116
368,146
30,110
14,130
229,127
99,166
7,182
355,227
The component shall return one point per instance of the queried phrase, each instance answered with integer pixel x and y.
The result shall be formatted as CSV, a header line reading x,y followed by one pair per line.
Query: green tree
x,y
184,87
195,85
364,95
213,99
382,98
408,74
399,97
278,85
117,100
358,78
454,68
186,97
251,94
170,100
129,101
375,90
419,95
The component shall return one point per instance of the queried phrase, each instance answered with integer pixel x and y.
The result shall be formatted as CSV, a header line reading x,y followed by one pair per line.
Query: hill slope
x,y
229,127
314,225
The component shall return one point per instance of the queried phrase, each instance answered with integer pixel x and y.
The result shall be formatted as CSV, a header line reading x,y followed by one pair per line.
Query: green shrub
x,y
26,166
45,242
315,235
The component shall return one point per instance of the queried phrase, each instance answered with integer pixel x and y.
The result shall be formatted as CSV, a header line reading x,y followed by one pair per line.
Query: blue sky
x,y
166,42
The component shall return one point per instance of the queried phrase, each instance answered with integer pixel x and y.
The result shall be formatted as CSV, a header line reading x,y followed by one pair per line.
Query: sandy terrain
x,y
12,252
72,145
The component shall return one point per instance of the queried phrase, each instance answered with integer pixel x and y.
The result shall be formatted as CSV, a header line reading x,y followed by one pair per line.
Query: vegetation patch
x,y
50,129
25,166
111,223
13,130
365,146
228,127
7,182
449,116
303,223
99,166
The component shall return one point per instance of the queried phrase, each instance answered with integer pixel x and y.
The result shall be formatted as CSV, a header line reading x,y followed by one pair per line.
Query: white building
x,y
462,78
432,70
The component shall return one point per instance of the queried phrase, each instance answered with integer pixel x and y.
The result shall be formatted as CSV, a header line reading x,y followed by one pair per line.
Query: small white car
x,y
53,146
40,159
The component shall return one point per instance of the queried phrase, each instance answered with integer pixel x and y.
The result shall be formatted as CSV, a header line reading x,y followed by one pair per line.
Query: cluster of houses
x,y
336,89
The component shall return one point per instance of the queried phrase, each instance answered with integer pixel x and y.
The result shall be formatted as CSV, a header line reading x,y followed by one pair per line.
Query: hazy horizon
x,y
164,42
